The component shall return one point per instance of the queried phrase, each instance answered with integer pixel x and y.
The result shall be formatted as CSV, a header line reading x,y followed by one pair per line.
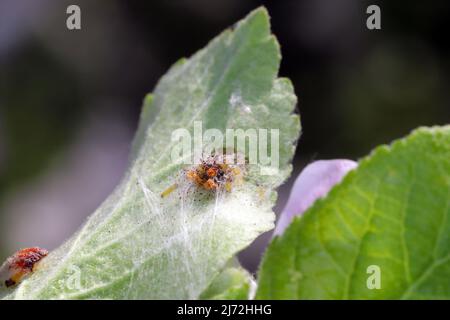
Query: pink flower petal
x,y
313,182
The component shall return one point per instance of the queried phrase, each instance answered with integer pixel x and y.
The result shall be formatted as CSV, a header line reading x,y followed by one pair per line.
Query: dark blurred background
x,y
70,100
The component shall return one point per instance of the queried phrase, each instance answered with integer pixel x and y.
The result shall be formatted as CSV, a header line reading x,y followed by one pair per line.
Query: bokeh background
x,y
70,100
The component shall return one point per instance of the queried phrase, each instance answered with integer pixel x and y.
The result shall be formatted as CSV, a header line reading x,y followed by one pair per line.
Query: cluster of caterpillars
x,y
213,173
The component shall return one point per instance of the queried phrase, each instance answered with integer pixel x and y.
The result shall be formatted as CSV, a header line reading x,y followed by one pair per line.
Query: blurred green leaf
x,y
40,107
233,283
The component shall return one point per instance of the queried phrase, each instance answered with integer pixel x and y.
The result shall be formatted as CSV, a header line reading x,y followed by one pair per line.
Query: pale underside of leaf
x,y
233,283
391,212
139,245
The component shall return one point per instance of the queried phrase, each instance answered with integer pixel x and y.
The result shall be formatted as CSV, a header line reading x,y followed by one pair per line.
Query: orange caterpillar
x,y
20,264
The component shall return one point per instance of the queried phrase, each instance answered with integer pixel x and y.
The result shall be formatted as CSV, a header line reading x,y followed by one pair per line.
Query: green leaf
x,y
233,283
391,212
140,245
